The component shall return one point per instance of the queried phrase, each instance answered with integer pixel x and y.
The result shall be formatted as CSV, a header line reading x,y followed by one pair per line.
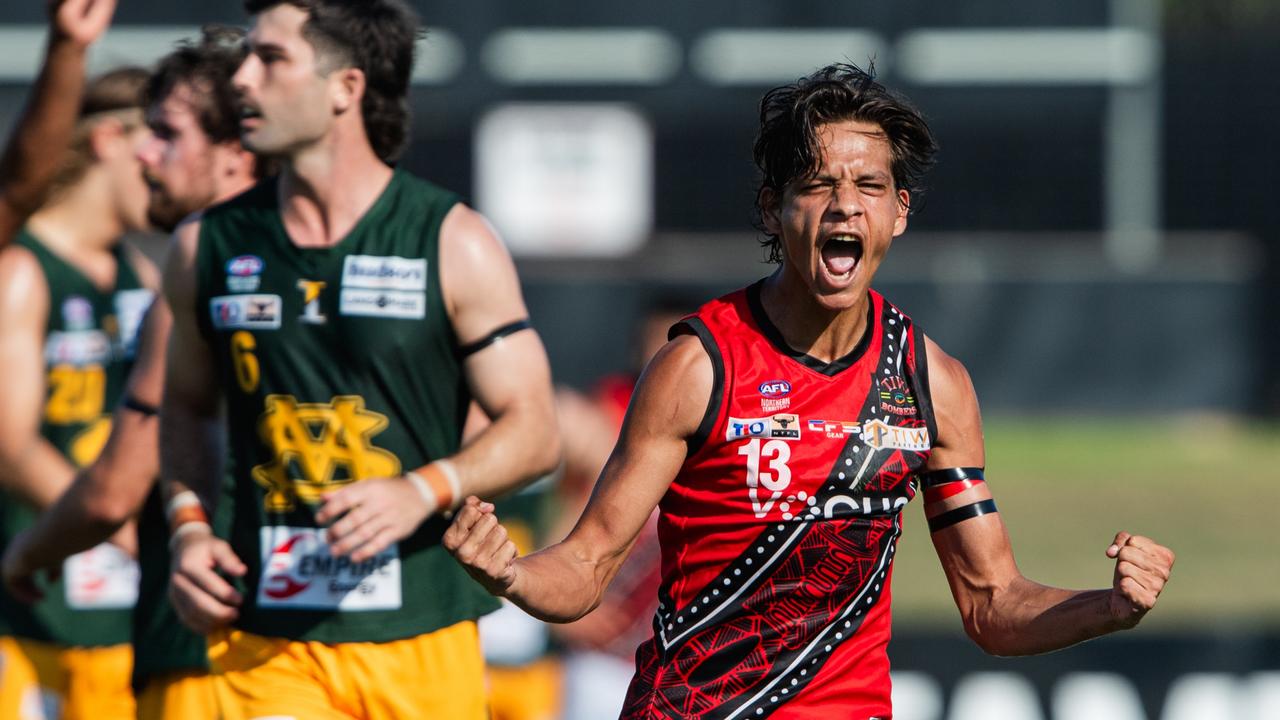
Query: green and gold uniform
x,y
88,350
338,364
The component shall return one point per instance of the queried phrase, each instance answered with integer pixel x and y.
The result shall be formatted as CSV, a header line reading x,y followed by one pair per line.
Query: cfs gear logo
x,y
311,302
835,428
784,426
896,397
317,448
299,571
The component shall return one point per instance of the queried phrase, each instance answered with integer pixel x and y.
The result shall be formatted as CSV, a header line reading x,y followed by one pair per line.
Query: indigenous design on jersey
x,y
779,532
318,447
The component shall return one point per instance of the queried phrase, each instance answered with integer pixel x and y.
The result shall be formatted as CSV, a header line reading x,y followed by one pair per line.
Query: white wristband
x,y
184,499
185,529
451,476
420,483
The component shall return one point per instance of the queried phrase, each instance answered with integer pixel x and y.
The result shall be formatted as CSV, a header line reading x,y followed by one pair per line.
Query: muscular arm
x,y
108,493
1004,612
510,380
30,467
44,130
565,581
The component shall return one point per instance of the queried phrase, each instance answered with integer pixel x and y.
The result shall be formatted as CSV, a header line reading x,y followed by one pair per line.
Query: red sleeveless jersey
x,y
778,533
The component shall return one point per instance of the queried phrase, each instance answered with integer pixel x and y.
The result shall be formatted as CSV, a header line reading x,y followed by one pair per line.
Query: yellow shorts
x,y
436,675
44,680
528,692
187,695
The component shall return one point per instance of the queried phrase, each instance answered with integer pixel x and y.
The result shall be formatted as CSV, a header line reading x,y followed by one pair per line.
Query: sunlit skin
x,y
178,160
289,98
128,189
851,194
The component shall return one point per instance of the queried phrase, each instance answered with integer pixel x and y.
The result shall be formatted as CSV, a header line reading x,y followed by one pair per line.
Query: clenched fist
x,y
481,546
1142,569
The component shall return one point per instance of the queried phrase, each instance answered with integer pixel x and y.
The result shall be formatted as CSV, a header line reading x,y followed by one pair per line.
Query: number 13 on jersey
x,y
774,478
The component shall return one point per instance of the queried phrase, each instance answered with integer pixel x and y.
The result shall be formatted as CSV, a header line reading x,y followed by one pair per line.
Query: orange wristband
x,y
440,479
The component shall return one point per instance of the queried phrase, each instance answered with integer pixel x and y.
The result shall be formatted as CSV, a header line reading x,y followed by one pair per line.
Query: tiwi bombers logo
x,y
318,447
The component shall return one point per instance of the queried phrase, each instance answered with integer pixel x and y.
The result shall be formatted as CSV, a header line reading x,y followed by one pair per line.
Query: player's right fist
x,y
80,21
480,544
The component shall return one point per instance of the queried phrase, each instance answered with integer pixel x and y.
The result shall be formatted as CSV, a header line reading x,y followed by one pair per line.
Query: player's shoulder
x,y
948,377
23,285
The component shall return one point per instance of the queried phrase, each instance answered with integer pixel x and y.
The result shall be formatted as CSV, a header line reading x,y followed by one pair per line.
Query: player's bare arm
x,y
30,467
32,155
105,496
507,370
565,581
1004,612
191,450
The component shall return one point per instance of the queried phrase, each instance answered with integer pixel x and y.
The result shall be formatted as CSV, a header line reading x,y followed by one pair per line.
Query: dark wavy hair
x,y
207,65
789,148
377,37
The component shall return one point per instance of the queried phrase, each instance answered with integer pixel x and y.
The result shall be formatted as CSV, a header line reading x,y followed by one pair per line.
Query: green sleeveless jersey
x,y
88,349
337,364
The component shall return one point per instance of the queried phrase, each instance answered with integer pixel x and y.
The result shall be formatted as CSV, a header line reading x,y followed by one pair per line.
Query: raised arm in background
x,y
44,129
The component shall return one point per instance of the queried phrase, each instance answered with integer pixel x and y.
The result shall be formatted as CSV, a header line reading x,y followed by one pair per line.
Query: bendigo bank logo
x,y
318,447
895,396
311,301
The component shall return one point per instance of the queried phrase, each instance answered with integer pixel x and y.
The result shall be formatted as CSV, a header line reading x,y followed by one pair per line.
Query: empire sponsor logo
x,y
783,426
896,397
879,435
299,571
388,272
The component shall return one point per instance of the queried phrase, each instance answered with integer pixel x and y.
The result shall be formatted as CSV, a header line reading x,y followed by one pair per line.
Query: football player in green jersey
x,y
72,296
193,160
345,314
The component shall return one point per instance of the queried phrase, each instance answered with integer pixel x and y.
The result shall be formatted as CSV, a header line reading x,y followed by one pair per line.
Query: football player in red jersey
x,y
780,433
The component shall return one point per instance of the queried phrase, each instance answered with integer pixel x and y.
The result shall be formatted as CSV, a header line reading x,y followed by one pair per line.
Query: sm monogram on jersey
x,y
318,447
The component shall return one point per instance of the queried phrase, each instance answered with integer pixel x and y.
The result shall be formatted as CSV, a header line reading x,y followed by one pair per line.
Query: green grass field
x,y
1207,487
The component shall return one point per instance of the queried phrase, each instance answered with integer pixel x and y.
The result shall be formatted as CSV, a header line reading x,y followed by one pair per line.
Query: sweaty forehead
x,y
855,141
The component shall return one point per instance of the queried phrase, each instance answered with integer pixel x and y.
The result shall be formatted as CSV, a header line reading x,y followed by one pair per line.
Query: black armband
x,y
960,514
949,475
138,406
470,349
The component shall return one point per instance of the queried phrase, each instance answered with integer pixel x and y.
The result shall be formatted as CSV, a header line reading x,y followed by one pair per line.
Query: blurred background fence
x,y
1100,245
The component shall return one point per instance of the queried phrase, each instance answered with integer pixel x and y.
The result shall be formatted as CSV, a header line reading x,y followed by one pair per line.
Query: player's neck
x,y
327,188
80,220
808,326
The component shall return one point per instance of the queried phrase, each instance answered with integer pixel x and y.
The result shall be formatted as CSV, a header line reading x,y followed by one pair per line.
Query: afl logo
x,y
775,388
244,265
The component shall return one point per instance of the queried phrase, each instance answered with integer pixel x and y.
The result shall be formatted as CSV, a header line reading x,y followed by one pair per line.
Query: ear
x,y
232,164
769,201
904,207
349,85
105,137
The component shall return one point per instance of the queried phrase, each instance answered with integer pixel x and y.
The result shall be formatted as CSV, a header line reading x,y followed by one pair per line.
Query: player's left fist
x,y
1142,569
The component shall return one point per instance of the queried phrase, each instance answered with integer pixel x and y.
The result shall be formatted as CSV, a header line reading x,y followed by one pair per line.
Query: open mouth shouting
x,y
840,255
